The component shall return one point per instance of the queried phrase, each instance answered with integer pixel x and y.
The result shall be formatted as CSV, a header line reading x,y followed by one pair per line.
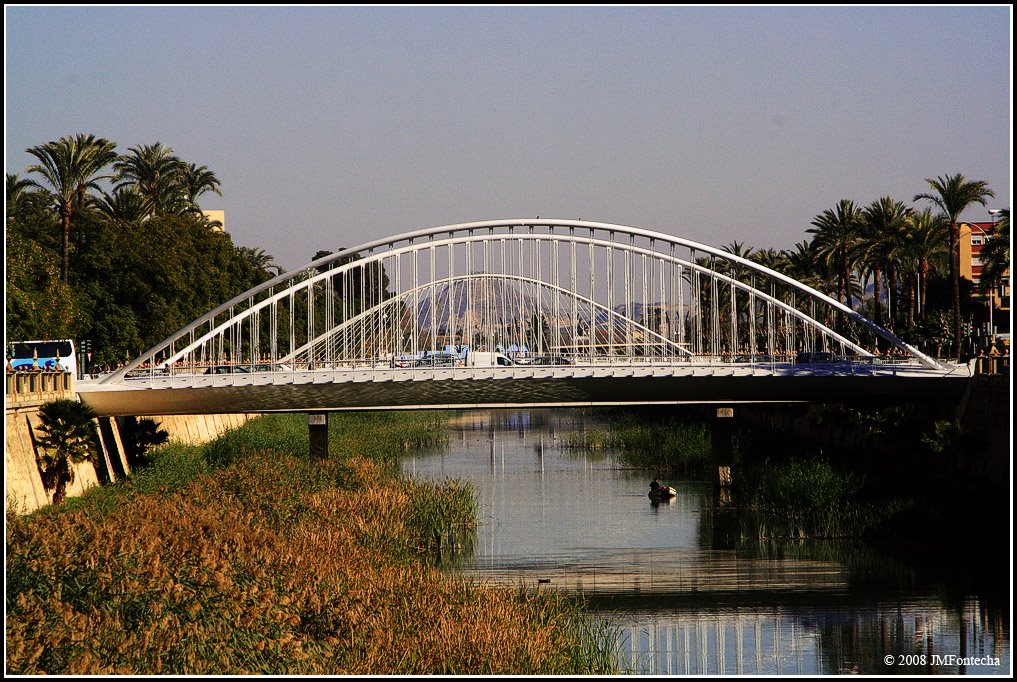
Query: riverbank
x,y
246,557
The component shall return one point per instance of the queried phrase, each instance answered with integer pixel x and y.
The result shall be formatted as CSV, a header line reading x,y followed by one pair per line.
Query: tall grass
x,y
252,559
809,498
444,516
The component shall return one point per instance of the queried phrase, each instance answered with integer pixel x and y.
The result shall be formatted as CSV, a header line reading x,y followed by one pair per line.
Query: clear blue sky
x,y
332,126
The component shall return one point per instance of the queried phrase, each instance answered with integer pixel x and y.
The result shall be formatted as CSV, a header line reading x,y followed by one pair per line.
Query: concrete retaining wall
x,y
24,490
198,429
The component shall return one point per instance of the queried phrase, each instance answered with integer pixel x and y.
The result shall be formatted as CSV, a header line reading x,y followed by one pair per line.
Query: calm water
x,y
679,600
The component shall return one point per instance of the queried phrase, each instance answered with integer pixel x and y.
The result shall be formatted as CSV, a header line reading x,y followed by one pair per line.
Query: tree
x,y
18,192
879,243
837,232
67,437
124,206
195,181
739,249
259,259
35,291
140,436
123,298
156,174
953,194
771,258
805,265
71,166
925,242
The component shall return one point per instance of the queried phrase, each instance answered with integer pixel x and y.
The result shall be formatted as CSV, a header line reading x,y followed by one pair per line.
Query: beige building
x,y
217,217
973,236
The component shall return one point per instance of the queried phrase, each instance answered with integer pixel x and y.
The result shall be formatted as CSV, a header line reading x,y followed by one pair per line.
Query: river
x,y
681,600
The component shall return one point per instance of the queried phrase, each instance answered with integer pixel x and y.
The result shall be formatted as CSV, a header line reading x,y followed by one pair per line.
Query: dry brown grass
x,y
274,565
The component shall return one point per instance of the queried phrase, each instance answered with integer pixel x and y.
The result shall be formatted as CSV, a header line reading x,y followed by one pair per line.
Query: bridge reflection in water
x,y
718,612
807,640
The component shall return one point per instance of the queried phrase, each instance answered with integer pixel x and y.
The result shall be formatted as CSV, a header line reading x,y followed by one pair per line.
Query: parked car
x,y
438,360
227,369
551,360
269,367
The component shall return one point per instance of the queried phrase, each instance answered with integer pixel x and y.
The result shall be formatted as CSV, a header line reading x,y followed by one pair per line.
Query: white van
x,y
478,358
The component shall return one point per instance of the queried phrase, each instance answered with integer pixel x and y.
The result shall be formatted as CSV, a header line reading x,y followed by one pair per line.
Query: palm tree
x,y
996,254
925,242
17,192
96,155
771,258
805,265
837,233
155,173
139,437
738,248
953,194
879,242
197,180
259,259
735,248
124,206
67,437
70,167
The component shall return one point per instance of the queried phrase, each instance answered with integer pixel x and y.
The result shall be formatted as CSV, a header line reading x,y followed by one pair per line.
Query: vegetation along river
x,y
682,593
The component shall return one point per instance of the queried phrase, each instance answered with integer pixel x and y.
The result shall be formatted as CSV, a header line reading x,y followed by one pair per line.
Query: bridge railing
x,y
785,363
992,364
38,386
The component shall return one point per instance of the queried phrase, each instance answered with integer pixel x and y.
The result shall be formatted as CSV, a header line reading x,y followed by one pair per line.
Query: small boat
x,y
664,492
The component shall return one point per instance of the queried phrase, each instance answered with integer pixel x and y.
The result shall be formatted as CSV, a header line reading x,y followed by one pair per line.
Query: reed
x,y
256,560
809,498
443,516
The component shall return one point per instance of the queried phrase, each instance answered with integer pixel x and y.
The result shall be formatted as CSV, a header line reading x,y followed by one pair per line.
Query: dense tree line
x,y
124,266
908,254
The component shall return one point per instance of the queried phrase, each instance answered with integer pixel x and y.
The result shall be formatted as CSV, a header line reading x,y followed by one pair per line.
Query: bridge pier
x,y
722,447
317,431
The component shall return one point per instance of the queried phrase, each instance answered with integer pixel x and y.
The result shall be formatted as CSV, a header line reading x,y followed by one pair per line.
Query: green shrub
x,y
808,498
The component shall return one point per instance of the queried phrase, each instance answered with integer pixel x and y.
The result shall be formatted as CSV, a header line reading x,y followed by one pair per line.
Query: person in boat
x,y
655,486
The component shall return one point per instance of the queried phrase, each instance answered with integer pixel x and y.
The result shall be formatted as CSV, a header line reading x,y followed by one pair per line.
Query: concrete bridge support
x,y
317,429
724,525
721,444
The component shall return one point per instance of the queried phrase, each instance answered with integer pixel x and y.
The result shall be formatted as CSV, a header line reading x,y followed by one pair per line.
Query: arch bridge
x,y
521,312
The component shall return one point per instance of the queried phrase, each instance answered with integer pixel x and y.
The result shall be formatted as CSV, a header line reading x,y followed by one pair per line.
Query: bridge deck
x,y
383,387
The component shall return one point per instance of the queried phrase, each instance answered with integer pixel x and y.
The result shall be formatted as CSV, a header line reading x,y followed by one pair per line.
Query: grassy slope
x,y
246,557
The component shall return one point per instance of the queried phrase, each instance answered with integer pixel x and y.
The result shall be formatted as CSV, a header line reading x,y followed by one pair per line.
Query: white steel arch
x,y
585,291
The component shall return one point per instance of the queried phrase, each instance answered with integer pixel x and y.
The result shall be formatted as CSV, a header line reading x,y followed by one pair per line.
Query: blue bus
x,y
46,355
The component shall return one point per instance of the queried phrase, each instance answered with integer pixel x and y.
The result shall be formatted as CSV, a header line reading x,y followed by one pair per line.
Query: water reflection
x,y
833,636
682,601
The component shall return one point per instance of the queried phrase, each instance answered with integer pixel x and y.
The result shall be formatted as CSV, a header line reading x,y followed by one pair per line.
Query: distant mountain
x,y
480,299
495,302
